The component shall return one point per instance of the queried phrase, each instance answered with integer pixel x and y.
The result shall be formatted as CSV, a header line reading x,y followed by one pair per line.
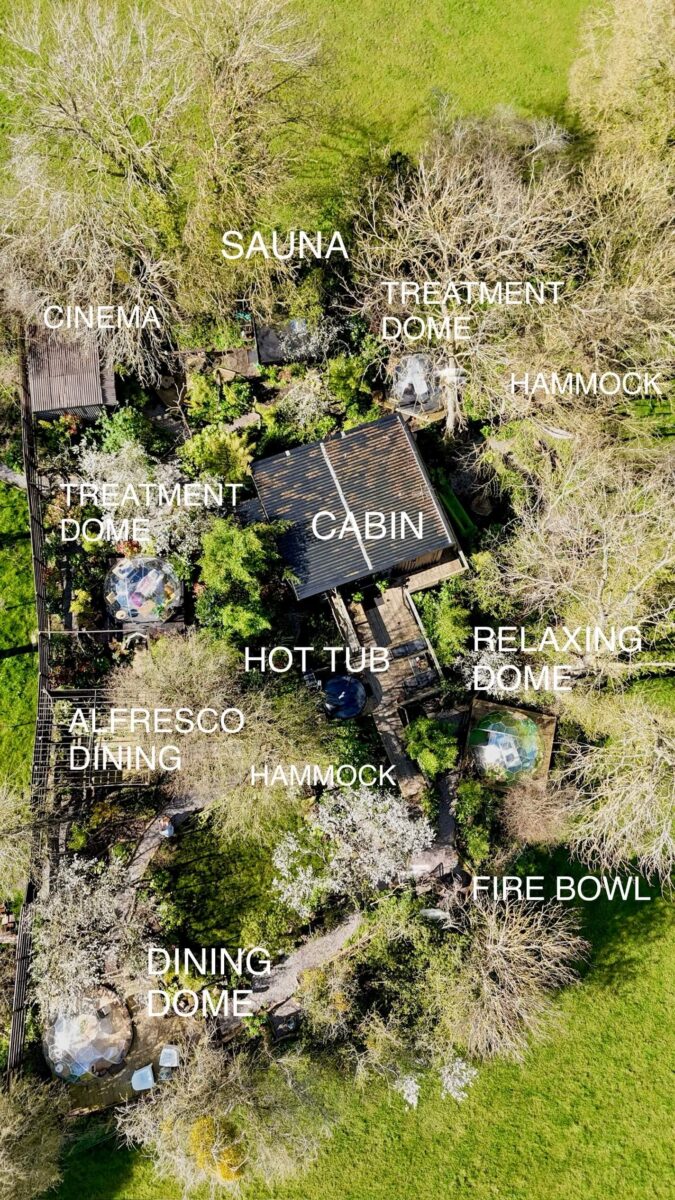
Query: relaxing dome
x,y
142,590
92,1040
505,745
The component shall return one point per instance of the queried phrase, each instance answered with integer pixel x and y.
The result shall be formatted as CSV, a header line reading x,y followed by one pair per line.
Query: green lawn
x,y
384,65
388,60
589,1114
18,672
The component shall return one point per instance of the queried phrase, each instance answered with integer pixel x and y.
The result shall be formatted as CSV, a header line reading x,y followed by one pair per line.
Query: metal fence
x,y
69,663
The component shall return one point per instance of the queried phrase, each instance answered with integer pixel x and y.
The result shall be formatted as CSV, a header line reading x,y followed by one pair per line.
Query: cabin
x,y
357,506
65,375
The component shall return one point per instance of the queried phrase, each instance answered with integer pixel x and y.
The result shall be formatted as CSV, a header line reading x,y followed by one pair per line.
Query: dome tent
x,y
90,1040
142,590
506,745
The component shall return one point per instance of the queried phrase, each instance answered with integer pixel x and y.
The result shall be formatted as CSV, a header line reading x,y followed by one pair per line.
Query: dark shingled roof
x,y
64,374
374,468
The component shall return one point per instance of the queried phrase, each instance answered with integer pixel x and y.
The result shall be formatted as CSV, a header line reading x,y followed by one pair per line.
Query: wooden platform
x,y
428,577
390,621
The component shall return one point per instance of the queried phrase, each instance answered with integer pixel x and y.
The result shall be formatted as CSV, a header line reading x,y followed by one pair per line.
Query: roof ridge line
x,y
343,498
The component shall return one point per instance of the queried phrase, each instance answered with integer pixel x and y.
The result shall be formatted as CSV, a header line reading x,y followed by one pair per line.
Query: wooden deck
x,y
429,577
412,675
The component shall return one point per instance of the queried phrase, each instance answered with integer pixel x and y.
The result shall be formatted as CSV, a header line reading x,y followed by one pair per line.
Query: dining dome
x,y
90,1040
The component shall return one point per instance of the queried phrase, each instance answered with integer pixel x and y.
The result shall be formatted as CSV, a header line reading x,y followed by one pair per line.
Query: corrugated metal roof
x,y
65,374
374,468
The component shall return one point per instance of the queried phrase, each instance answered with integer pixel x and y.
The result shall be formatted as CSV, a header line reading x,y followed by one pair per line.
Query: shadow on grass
x,y
617,929
94,1165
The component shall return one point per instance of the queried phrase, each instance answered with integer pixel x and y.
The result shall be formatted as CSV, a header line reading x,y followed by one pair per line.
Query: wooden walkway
x,y
412,674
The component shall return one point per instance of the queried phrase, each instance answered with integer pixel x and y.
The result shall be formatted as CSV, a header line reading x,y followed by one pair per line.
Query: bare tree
x,y
515,954
31,1136
621,791
134,136
466,213
279,727
594,543
84,929
502,199
628,50
227,1118
536,814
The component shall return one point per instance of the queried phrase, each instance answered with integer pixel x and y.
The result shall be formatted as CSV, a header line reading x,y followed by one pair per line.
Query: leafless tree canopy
x,y
475,208
594,542
199,672
621,790
535,815
226,1118
86,929
136,138
515,954
505,199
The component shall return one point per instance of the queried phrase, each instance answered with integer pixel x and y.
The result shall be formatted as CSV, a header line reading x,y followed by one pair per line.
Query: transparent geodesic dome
x,y
142,590
91,1040
414,383
506,745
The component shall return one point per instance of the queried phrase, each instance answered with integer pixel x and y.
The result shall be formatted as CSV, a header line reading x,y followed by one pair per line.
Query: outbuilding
x,y
64,374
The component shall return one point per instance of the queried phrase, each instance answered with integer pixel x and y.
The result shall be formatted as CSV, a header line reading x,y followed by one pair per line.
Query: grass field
x,y
589,1114
383,68
387,63
18,672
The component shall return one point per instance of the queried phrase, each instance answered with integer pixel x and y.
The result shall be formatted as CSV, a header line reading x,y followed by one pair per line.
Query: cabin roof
x,y
373,468
65,374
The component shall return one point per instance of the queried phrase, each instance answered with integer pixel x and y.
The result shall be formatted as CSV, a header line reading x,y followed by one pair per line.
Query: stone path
x,y
283,981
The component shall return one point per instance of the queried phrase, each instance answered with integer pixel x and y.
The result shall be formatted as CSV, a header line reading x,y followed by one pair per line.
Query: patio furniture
x,y
143,1079
170,1056
169,1059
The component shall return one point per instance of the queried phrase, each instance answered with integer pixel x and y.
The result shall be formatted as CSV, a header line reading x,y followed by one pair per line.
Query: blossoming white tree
x,y
354,841
305,402
86,925
171,526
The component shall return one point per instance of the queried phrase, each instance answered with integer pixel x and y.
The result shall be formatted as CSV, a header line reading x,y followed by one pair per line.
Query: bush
x,y
475,842
215,451
125,425
447,621
212,403
473,798
234,564
475,807
350,379
433,744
